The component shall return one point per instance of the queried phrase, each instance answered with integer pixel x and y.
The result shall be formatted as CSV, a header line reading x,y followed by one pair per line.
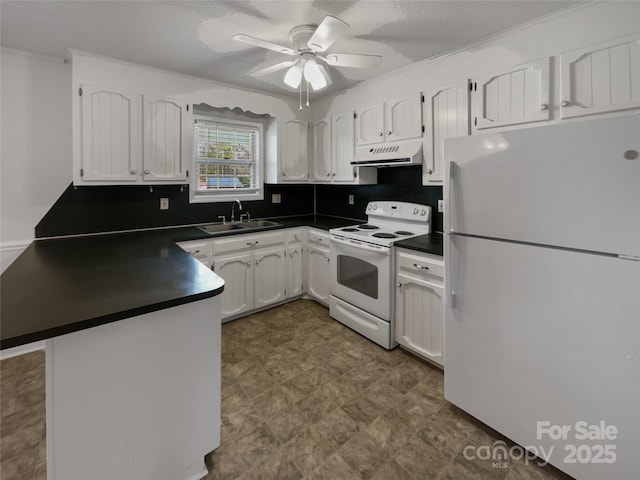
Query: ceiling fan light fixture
x,y
315,75
293,76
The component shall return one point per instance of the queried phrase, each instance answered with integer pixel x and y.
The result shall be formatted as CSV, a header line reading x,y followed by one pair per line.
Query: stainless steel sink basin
x,y
226,227
259,224
219,227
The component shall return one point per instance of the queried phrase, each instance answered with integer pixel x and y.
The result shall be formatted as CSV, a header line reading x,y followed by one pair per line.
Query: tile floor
x,y
302,398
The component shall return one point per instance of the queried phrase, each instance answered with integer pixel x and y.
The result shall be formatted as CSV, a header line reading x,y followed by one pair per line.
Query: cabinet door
x,y
269,276
318,274
294,271
601,79
322,151
513,96
447,115
370,125
165,131
419,317
294,151
403,118
343,147
110,138
237,272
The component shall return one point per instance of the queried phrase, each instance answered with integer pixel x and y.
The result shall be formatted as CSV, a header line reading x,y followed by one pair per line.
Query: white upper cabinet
x,y
344,148
294,154
110,148
513,96
396,119
166,126
129,137
370,124
446,115
322,164
601,79
403,118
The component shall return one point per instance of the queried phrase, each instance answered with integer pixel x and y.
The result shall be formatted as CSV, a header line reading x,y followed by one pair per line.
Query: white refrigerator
x,y
542,307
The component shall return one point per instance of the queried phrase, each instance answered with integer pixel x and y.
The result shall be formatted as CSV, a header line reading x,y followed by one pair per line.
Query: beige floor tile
x,y
336,427
309,450
391,470
363,455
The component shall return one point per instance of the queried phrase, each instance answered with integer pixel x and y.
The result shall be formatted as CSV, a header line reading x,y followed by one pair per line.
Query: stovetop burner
x,y
384,235
366,226
350,229
403,232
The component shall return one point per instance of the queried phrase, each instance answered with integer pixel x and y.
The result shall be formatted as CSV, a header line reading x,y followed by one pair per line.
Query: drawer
x,y
244,242
319,237
197,248
419,264
294,236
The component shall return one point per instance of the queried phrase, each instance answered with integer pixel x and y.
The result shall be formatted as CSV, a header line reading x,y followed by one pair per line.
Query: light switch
x,y
440,206
275,198
350,199
164,204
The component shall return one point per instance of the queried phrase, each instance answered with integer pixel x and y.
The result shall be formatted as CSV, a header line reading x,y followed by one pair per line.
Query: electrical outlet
x,y
275,198
164,204
350,199
440,206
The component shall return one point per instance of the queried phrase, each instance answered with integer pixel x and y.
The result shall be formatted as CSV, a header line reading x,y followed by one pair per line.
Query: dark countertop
x,y
59,286
430,243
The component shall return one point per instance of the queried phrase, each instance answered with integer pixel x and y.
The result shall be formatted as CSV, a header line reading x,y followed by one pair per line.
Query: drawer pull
x,y
251,244
195,252
420,267
317,239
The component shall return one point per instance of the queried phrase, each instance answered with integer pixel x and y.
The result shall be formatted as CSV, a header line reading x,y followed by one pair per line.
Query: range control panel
x,y
400,211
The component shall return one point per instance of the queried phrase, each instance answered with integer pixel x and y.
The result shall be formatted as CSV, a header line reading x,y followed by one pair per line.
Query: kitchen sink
x,y
259,224
226,227
220,227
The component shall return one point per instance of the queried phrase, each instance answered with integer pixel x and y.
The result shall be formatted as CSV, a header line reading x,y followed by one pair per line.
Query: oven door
x,y
360,274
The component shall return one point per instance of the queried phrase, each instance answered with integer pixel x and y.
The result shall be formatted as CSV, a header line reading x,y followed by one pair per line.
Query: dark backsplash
x,y
394,183
113,208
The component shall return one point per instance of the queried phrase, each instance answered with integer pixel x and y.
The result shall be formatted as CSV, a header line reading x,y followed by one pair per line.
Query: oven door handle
x,y
361,245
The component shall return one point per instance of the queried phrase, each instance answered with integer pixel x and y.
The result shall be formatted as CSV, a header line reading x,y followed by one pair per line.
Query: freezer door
x,y
575,185
536,334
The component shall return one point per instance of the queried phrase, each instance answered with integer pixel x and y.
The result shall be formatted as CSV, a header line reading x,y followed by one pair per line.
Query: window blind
x,y
227,157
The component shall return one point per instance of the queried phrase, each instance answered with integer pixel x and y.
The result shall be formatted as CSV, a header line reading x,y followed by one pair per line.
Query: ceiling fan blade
x,y
272,68
352,60
327,32
263,44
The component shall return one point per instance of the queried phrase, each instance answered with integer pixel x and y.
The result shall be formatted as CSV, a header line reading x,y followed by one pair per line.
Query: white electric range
x,y
362,267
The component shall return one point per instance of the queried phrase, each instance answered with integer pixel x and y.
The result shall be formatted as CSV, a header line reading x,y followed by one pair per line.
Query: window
x,y
227,160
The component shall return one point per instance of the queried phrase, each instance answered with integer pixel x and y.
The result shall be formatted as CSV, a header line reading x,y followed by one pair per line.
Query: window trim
x,y
247,195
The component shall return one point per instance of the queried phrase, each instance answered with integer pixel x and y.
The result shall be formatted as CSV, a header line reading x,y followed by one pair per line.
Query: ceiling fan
x,y
309,42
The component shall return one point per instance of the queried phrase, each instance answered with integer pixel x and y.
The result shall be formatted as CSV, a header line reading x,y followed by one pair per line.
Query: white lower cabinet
x,y
295,271
318,265
269,276
237,271
419,304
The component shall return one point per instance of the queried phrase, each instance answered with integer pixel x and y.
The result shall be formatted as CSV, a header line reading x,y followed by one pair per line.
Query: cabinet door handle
x,y
328,174
544,106
147,172
429,171
195,252
389,132
251,244
317,239
327,259
420,267
398,285
565,104
133,172
248,264
297,237
382,134
333,174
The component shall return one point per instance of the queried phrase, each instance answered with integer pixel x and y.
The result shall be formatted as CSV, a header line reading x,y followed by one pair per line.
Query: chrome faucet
x,y
233,208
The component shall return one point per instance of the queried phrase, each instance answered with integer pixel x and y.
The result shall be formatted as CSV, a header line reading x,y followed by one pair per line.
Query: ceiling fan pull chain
x,y
307,93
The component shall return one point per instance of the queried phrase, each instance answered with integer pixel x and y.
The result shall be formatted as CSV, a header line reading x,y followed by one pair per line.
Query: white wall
x,y
35,161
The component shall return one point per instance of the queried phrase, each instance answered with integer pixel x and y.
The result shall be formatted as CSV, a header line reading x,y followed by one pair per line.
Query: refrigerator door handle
x,y
448,206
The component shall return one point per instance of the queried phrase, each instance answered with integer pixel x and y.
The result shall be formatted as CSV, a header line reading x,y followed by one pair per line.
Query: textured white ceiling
x,y
194,37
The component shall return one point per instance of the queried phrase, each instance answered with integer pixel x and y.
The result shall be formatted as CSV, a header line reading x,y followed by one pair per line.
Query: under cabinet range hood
x,y
388,155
